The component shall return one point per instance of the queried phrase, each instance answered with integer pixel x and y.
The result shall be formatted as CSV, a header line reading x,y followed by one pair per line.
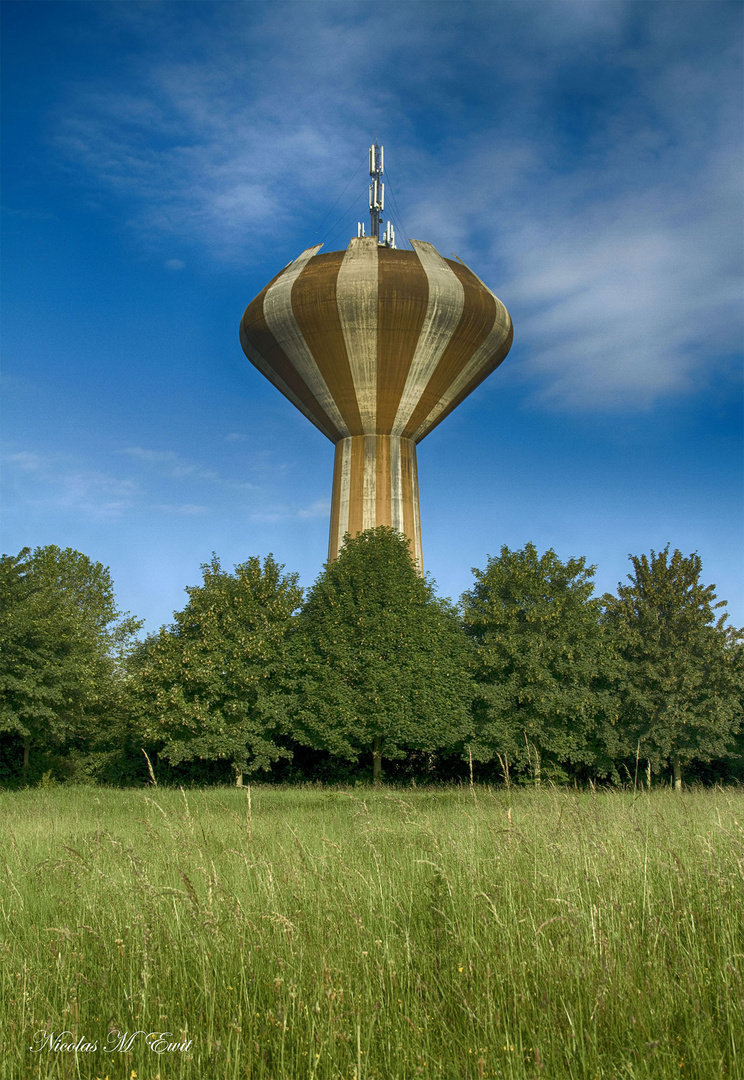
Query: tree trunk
x,y
238,778
677,767
376,763
26,753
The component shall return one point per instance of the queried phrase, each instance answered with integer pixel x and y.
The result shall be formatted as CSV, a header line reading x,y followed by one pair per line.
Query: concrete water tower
x,y
376,345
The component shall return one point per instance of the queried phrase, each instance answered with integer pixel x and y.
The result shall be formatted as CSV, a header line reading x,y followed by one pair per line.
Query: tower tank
x,y
376,346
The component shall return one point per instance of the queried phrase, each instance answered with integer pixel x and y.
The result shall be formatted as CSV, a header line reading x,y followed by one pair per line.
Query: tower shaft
x,y
375,482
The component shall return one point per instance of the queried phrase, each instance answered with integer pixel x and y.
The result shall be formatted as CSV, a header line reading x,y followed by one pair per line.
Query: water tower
x,y
376,345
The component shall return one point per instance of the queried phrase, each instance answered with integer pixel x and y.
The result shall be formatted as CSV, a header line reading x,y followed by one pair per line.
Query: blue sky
x,y
162,161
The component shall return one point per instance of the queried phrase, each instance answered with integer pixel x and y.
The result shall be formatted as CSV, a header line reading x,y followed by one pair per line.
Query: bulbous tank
x,y
376,346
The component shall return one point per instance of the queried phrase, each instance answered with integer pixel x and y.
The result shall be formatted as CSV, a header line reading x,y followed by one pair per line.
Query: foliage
x,y
541,667
205,683
62,640
547,682
378,663
681,676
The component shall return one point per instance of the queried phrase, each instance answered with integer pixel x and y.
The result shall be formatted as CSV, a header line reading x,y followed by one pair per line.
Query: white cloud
x,y
26,460
321,508
189,509
633,301
171,464
585,159
268,517
62,483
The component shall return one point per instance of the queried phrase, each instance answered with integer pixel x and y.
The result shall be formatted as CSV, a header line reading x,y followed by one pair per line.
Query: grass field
x,y
373,934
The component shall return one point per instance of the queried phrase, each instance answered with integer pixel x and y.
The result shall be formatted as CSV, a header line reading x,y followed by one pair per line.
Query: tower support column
x,y
375,482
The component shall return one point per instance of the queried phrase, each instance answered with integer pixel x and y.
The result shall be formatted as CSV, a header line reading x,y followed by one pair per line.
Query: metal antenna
x,y
376,189
377,198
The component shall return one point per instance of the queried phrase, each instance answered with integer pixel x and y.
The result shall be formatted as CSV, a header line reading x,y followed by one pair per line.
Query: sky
x,y
163,161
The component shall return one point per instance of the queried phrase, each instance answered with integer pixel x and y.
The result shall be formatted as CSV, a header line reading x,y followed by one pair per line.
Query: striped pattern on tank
x,y
375,347
375,482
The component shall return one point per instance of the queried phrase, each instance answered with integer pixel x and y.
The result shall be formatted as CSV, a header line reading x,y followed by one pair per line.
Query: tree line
x,y
530,678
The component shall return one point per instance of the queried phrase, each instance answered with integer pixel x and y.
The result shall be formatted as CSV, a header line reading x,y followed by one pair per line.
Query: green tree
x,y
379,664
543,697
62,639
680,678
205,684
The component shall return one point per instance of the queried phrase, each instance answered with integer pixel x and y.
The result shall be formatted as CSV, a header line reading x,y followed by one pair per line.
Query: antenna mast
x,y
377,199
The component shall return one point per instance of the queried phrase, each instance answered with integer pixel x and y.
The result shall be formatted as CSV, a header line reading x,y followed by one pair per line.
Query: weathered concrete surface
x,y
376,347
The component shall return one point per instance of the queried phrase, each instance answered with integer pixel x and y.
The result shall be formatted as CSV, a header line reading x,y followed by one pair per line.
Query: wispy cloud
x,y
169,463
630,304
272,515
66,482
62,483
189,509
321,508
588,167
26,460
268,517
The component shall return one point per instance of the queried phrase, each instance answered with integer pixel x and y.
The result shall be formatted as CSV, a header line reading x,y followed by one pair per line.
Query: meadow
x,y
372,934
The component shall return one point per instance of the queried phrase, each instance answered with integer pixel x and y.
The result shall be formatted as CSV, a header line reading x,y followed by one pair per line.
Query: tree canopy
x,y
379,665
62,638
206,683
532,676
541,661
681,673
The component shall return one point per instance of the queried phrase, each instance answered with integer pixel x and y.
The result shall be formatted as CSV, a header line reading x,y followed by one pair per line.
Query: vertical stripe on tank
x,y
417,552
344,492
383,511
396,485
403,293
315,308
356,485
369,516
279,316
485,358
407,489
356,299
443,313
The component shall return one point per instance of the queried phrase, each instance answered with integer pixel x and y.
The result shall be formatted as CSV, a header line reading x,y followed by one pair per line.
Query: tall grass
x,y
375,934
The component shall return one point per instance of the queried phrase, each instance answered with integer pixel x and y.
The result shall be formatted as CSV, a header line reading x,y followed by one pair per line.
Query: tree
x,y
681,679
206,682
62,639
379,664
541,663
